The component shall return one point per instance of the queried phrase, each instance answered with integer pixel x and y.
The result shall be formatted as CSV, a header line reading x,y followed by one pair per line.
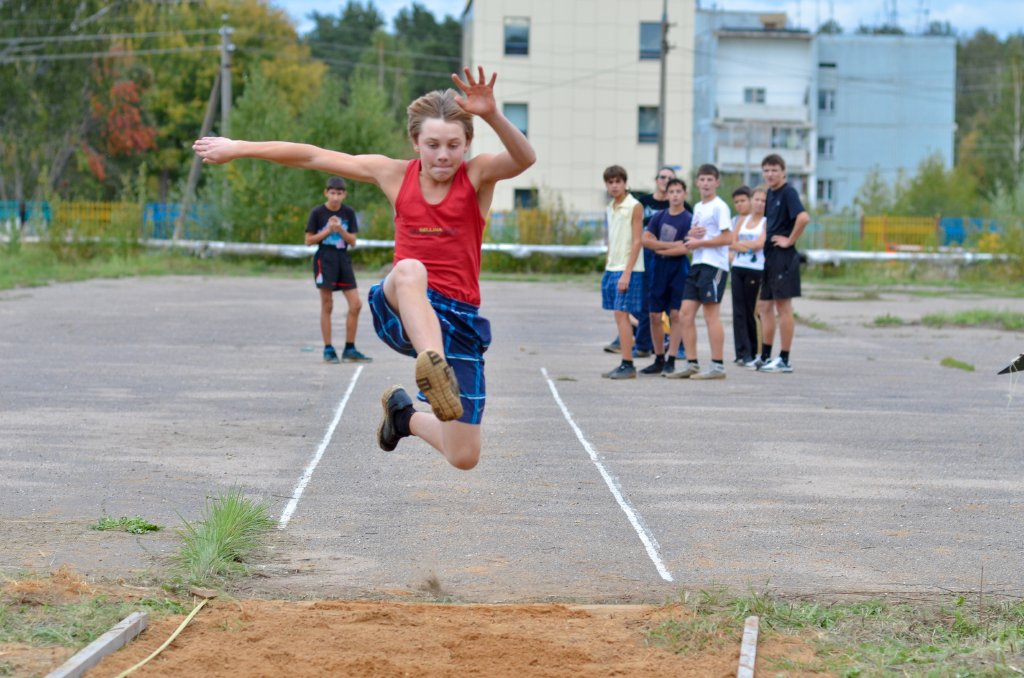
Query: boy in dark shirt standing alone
x,y
333,227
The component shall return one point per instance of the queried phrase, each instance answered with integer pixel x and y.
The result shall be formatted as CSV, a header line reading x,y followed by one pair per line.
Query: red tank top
x,y
445,237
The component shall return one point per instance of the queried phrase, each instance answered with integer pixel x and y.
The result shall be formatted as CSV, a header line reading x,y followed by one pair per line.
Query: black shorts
x,y
668,281
781,274
332,270
706,284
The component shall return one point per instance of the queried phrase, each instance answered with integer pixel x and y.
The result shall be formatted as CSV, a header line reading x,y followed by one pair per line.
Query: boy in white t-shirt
x,y
710,238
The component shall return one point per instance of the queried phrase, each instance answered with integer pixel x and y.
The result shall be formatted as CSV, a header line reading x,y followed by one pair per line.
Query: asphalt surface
x,y
871,468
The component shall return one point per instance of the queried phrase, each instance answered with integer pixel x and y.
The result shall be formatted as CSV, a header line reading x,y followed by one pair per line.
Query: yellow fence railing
x,y
889,232
98,219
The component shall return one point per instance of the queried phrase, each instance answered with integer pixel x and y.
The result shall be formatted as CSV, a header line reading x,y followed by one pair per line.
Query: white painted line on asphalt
x,y
650,543
286,515
748,648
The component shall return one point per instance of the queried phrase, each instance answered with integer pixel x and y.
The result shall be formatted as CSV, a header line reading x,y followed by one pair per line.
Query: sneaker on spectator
x,y
623,372
777,364
330,355
655,367
668,369
352,355
613,347
754,364
685,372
716,371
641,354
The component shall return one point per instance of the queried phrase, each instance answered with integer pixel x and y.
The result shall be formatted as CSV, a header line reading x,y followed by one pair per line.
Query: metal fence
x,y
156,221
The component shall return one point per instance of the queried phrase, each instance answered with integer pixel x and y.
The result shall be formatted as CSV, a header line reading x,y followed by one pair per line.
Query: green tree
x,y
830,27
876,194
341,40
936,190
436,47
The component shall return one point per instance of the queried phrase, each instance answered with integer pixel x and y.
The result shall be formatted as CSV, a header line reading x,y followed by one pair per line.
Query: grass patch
x,y
956,364
215,547
888,320
134,525
1004,320
949,636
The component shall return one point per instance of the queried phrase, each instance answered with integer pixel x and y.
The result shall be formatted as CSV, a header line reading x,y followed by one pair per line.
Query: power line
x,y
106,36
103,55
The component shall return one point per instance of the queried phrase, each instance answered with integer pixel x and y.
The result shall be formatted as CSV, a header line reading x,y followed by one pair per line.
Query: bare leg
x,y
716,333
764,309
787,323
657,334
355,305
326,308
457,441
625,334
768,322
405,288
688,320
676,334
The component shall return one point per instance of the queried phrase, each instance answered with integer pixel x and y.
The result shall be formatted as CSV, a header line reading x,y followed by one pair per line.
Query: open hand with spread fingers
x,y
479,93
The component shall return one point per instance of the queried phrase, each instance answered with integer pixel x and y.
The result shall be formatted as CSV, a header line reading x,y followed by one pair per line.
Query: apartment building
x,y
834,106
755,88
581,79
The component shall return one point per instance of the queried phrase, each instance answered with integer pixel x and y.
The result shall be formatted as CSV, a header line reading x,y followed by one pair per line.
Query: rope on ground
x,y
167,642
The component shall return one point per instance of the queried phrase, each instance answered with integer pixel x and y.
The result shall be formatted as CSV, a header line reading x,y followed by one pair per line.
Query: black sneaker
x,y
394,400
623,372
654,368
669,368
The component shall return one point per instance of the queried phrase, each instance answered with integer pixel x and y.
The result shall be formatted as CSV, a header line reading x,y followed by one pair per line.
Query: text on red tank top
x,y
445,237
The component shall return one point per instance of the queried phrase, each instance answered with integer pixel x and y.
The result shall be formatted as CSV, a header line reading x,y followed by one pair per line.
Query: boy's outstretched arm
x,y
374,169
479,100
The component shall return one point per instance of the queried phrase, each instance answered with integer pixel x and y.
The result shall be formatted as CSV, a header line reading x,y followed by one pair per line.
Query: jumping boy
x,y
747,269
709,239
427,306
664,237
786,221
333,227
622,283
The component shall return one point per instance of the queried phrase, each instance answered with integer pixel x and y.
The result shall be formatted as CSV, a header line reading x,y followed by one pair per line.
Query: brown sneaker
x,y
435,379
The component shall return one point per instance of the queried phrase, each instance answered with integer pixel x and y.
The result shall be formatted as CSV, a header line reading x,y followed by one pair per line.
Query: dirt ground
x,y
387,638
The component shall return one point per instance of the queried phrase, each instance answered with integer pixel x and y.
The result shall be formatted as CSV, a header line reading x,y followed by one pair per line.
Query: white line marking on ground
x,y
286,515
650,543
748,648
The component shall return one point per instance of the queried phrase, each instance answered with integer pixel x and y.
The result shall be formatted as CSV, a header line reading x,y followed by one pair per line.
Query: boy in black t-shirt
x,y
333,227
786,220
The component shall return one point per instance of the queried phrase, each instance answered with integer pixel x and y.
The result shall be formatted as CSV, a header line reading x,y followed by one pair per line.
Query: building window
x,y
826,147
517,35
826,190
827,100
650,40
753,95
518,115
826,64
525,198
647,125
791,138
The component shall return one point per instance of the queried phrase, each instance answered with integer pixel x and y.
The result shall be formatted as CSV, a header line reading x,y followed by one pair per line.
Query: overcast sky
x,y
999,16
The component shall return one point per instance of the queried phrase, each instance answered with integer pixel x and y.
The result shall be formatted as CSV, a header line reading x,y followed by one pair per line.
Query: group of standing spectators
x,y
667,259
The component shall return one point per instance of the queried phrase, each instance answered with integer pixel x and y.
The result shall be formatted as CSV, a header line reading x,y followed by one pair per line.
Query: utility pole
x,y
225,76
193,173
661,84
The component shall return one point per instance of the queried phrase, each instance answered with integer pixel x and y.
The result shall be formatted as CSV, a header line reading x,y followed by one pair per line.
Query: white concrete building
x,y
581,78
755,90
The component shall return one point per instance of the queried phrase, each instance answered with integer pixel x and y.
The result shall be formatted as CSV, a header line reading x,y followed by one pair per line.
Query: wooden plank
x,y
748,648
89,656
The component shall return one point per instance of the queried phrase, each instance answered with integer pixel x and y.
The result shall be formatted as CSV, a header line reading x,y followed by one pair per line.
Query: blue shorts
x,y
613,300
667,284
465,333
706,284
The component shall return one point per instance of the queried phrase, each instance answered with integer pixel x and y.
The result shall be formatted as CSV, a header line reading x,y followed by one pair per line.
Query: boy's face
x,y
616,187
773,175
442,148
741,203
676,196
707,184
757,203
335,196
663,178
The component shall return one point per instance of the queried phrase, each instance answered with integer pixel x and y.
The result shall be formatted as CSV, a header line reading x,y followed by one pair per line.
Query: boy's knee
x,y
409,271
355,307
464,457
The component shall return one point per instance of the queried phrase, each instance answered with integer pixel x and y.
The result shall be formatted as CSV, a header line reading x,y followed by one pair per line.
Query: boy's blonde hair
x,y
439,104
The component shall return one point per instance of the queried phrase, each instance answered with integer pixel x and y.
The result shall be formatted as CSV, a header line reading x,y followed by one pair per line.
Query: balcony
x,y
763,113
734,158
